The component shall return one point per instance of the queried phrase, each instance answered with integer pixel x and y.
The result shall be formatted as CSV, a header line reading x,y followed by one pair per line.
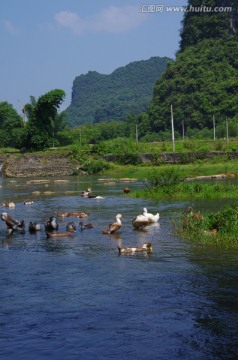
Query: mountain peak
x,y
128,89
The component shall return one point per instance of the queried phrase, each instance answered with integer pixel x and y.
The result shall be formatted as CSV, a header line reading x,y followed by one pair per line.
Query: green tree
x,y
202,82
11,125
44,122
201,25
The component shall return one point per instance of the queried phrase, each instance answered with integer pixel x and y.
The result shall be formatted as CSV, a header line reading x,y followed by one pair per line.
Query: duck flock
x,y
51,226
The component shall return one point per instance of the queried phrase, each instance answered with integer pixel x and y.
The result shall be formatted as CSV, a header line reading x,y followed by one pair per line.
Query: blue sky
x,y
45,44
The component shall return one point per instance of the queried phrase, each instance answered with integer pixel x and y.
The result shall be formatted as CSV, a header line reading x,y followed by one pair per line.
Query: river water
x,y
76,298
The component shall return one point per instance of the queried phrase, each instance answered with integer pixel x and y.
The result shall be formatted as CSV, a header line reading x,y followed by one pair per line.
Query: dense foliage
x,y
43,120
42,125
202,83
200,23
129,89
11,126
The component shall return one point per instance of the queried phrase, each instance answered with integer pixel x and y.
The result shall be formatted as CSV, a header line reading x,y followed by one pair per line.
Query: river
x,y
77,298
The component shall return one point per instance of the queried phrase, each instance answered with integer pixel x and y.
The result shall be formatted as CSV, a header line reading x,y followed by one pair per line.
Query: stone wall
x,y
40,165
178,158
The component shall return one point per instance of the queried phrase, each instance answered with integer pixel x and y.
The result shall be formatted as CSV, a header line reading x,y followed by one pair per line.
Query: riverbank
x,y
39,165
59,163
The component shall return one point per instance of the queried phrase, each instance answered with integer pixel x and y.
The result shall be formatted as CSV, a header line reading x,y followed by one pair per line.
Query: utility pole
x,y
136,134
172,125
227,131
22,110
214,129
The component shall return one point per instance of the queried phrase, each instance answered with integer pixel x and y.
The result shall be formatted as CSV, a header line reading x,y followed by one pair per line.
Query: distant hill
x,y
129,89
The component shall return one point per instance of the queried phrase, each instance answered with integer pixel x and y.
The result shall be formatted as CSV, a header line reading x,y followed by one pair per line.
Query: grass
x,y
186,145
188,191
144,172
170,182
213,228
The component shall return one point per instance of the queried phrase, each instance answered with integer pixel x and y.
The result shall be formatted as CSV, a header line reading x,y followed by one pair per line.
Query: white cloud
x,y
112,19
69,20
116,19
11,28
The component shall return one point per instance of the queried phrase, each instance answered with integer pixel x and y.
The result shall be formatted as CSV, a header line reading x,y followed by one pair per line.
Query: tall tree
x,y
11,125
43,120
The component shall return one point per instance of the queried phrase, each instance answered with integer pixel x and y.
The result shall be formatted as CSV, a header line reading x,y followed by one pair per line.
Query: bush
x,y
78,152
127,159
94,166
118,146
167,178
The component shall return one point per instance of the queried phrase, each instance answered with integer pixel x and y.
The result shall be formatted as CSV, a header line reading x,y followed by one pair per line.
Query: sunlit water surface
x,y
76,298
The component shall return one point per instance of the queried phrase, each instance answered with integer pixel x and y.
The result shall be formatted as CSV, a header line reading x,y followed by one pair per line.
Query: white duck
x,y
145,219
152,218
140,221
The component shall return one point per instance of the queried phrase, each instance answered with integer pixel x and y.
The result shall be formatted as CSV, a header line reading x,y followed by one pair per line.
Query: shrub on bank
x,y
214,228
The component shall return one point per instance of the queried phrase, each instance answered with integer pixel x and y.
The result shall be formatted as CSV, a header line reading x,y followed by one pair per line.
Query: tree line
x,y
42,122
42,126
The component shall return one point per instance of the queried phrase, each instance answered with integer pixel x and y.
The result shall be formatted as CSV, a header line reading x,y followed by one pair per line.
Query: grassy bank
x,y
144,172
210,228
170,181
188,191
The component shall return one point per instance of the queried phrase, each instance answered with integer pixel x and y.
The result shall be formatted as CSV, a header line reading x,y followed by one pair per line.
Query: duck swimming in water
x,y
140,221
145,219
86,193
126,190
34,226
10,205
51,224
147,247
152,218
63,214
95,197
71,227
85,226
79,214
114,226
13,224
57,234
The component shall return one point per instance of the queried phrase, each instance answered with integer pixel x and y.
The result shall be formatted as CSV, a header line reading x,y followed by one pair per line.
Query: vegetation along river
x,y
77,298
